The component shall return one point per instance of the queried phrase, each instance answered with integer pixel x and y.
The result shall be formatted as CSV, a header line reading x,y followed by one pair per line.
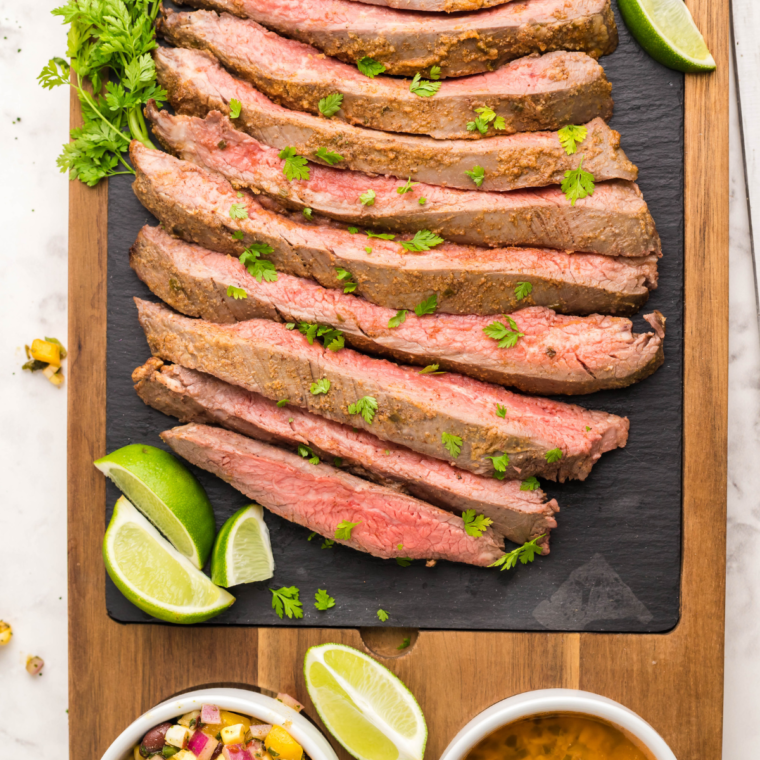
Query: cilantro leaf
x,y
577,183
308,454
435,72
381,235
370,67
474,524
283,402
343,530
295,166
238,211
431,369
570,137
285,600
428,306
398,320
477,175
322,600
523,290
404,644
332,339
452,443
307,213
368,198
328,156
525,553
507,336
366,406
553,456
530,484
501,411
407,187
55,74
422,88
423,240
500,462
321,386
236,293
260,269
343,274
382,615
330,105
235,107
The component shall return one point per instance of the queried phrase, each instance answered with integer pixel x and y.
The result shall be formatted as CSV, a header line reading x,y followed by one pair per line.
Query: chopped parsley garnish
x,y
349,286
295,166
238,234
367,249
501,411
368,198
235,106
452,443
422,88
588,427
307,213
423,240
311,535
370,67
381,235
477,175
236,293
382,615
431,369
530,484
260,269
332,339
428,306
323,601
485,117
308,454
330,105
398,320
525,553
343,531
353,230
577,183
422,201
570,137
366,406
337,462
283,402
328,543
500,463
238,211
407,187
523,290
320,387
474,524
404,644
553,456
328,156
285,600
404,561
435,72
507,336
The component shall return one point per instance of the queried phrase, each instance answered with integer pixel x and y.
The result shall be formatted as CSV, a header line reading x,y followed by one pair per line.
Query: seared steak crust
x,y
531,93
614,221
197,84
422,411
320,497
191,396
406,43
556,355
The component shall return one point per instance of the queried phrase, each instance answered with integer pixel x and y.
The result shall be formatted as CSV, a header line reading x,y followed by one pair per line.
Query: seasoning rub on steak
x,y
615,220
321,497
554,355
519,512
530,94
197,84
448,416
197,206
406,43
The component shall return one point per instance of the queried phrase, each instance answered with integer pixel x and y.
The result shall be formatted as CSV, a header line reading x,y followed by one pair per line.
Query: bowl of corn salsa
x,y
558,724
222,724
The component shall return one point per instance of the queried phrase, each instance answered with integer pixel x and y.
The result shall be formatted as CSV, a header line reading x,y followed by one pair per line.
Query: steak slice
x,y
320,497
406,43
446,6
421,411
612,221
197,84
531,94
556,355
195,205
518,514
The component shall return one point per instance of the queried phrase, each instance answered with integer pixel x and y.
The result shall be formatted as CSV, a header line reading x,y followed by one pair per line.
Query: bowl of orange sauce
x,y
558,724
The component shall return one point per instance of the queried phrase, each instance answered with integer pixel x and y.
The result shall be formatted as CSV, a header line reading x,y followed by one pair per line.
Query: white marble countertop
x,y
34,214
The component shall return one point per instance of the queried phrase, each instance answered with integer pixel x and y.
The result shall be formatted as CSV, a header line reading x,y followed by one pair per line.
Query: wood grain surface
x,y
675,681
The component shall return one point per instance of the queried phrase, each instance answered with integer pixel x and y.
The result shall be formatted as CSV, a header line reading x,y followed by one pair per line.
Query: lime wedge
x,y
364,706
153,575
242,552
168,494
666,30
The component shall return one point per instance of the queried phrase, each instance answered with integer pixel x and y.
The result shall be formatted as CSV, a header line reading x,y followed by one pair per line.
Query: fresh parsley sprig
x,y
330,105
398,320
506,335
236,293
428,306
407,186
343,530
367,198
322,600
332,339
452,443
570,137
261,269
477,174
366,407
485,118
423,88
523,290
295,166
423,240
553,456
308,455
475,525
577,184
328,156
285,601
431,369
382,615
530,484
525,553
381,235
370,67
235,108
349,286
320,387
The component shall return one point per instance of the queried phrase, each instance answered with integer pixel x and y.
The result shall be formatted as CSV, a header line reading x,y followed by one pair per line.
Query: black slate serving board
x,y
615,557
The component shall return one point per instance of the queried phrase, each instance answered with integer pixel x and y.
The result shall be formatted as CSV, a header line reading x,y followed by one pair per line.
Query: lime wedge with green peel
x,y
168,494
666,30
153,575
242,552
364,706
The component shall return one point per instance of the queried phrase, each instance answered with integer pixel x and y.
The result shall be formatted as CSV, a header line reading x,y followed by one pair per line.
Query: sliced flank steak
x,y
437,6
407,43
321,497
197,84
519,512
449,417
199,207
554,355
614,221
531,94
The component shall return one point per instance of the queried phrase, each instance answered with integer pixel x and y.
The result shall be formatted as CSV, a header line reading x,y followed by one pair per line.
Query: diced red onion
x,y
210,714
236,752
202,746
261,731
286,699
254,745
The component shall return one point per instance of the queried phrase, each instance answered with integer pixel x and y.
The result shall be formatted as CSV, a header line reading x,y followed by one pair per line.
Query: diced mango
x,y
234,734
43,351
280,741
230,719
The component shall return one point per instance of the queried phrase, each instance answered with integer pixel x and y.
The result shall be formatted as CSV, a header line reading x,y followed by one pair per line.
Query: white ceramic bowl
x,y
249,703
551,701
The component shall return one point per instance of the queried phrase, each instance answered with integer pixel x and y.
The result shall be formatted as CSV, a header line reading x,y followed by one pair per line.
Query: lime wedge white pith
x,y
168,494
242,552
364,706
666,30
153,575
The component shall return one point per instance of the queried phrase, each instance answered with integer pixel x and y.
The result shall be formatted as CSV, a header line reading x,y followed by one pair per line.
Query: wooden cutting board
x,y
674,680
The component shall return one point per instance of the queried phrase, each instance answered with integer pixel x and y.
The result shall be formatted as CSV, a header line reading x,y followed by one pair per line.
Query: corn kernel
x,y
6,632
43,351
234,734
280,741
